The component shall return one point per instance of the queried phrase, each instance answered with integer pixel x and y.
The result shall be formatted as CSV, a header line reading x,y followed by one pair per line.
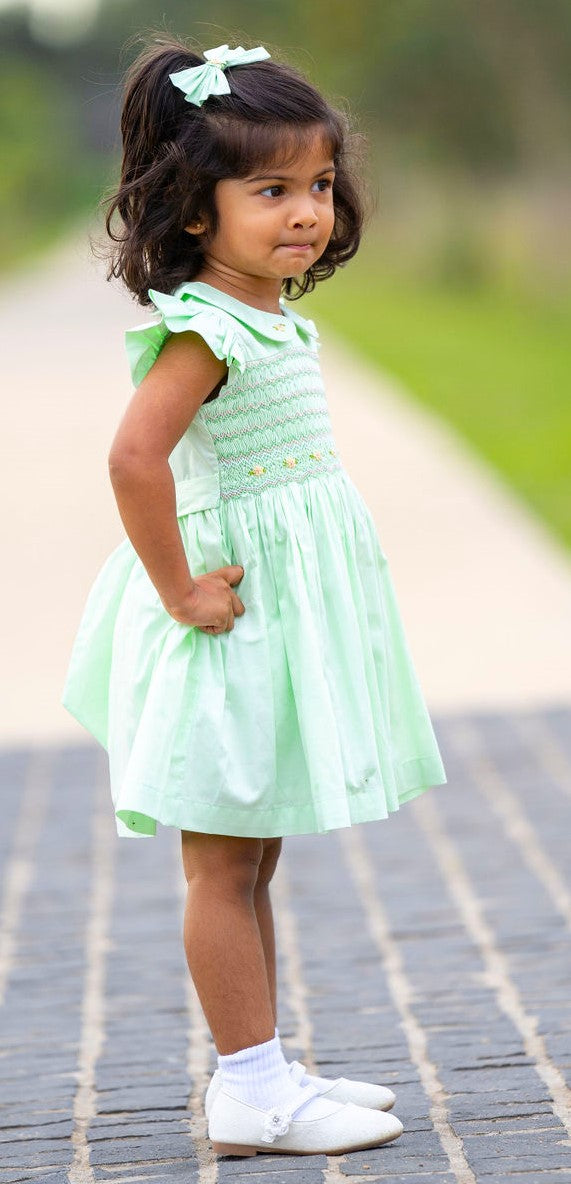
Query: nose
x,y
304,214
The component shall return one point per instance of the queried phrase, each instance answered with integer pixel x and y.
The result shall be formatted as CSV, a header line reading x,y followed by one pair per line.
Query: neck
x,y
258,291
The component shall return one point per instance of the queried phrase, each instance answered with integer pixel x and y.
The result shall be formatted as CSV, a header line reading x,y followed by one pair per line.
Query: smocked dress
x,y
307,715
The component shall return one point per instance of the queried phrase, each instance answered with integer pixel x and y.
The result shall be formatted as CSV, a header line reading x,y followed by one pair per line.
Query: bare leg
x,y
263,907
222,939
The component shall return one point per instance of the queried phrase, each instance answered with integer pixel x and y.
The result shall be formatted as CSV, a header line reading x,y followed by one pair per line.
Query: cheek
x,y
254,218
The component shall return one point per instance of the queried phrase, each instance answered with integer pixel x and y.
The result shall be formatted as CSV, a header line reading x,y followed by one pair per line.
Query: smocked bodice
x,y
272,425
269,426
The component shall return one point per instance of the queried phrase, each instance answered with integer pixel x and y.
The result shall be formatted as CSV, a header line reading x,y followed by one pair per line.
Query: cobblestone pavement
x,y
430,952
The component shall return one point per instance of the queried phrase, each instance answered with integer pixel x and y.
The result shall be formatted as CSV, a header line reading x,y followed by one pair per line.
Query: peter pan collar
x,y
275,326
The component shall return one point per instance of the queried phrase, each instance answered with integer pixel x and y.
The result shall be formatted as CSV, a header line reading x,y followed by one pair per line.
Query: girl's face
x,y
277,223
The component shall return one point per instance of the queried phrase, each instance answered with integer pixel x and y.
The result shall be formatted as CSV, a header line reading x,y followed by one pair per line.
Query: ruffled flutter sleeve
x,y
178,315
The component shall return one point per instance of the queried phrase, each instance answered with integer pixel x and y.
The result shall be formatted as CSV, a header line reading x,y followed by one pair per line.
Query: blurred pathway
x,y
485,592
428,952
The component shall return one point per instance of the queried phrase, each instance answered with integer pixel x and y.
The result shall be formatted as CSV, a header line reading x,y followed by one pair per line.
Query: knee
x,y
268,862
226,863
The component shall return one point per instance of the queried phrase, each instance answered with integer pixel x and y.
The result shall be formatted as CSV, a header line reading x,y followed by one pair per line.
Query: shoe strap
x,y
298,1071
277,1120
307,1092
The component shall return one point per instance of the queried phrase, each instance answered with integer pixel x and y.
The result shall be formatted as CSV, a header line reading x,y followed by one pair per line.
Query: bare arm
x,y
157,416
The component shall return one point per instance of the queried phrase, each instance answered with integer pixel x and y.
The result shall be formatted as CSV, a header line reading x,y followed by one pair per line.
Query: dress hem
x,y
138,823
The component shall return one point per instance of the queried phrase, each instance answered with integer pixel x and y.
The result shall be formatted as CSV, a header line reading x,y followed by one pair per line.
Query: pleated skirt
x,y
305,717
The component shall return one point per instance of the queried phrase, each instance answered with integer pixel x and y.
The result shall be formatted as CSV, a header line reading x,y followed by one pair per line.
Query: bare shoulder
x,y
189,353
184,372
168,398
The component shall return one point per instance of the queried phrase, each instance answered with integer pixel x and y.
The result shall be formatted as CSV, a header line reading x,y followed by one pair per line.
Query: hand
x,y
211,604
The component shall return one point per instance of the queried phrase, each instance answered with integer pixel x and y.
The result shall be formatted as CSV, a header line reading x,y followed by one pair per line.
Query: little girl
x,y
241,655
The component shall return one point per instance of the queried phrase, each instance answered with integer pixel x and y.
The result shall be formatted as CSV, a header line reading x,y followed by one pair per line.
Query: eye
x,y
270,187
326,181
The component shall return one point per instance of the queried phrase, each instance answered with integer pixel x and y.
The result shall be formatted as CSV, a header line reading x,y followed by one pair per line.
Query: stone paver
x,y
430,952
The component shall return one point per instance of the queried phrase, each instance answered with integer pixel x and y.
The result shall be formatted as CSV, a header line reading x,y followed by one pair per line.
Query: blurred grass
x,y
463,296
494,364
42,234
50,178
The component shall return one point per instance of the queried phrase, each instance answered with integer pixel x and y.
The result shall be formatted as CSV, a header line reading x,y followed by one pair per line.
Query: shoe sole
x,y
243,1149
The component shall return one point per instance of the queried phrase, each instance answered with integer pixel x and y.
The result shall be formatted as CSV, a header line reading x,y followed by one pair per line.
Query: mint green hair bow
x,y
198,82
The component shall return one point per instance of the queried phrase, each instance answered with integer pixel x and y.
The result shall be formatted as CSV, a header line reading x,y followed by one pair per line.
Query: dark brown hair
x,y
175,152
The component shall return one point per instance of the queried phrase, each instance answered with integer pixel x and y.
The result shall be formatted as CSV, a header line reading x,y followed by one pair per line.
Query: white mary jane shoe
x,y
238,1128
361,1093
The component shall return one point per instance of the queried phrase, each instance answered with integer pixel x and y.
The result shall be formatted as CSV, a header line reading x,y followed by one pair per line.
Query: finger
x,y
237,606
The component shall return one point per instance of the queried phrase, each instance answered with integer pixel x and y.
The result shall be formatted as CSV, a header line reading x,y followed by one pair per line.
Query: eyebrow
x,y
276,176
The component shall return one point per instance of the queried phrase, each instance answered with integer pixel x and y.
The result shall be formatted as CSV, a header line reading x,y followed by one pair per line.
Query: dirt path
x,y
485,592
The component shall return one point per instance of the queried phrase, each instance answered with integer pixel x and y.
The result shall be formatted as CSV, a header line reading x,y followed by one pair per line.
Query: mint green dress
x,y
307,715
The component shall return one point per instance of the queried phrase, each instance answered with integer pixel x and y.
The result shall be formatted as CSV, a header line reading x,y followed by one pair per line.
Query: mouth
x,y
297,246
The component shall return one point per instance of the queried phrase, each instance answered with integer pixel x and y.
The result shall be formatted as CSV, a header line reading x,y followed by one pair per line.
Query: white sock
x,y
260,1075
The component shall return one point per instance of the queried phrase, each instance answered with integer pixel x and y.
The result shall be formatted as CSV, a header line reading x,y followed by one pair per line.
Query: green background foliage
x,y
463,287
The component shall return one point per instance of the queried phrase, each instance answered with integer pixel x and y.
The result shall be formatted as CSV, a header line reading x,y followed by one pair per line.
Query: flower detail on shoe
x,y
277,1122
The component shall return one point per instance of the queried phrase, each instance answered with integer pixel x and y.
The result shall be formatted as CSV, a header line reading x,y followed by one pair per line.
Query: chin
x,y
291,275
